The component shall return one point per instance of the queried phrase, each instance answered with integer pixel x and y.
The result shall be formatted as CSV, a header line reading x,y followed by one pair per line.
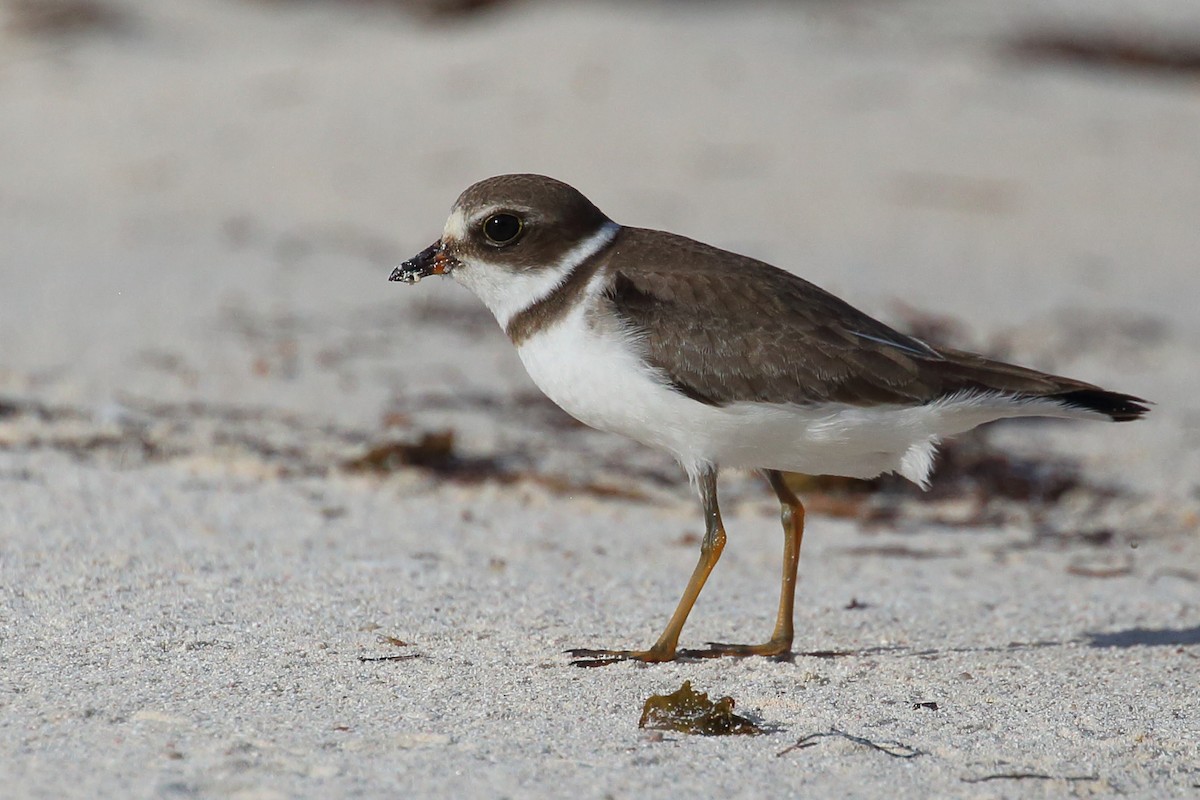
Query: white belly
x,y
600,381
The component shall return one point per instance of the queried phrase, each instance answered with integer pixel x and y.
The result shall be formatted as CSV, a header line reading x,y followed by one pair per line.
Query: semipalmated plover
x,y
722,361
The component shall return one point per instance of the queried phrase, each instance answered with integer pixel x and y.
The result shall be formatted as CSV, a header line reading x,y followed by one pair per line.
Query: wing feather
x,y
723,328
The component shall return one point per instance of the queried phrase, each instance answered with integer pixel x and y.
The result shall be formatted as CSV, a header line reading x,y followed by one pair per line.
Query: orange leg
x,y
710,550
792,515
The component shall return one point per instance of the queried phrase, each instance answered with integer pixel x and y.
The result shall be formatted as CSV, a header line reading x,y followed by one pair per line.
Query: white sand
x,y
198,213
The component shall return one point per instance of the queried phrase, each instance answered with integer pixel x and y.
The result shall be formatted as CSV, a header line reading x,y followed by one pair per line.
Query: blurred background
x,y
201,200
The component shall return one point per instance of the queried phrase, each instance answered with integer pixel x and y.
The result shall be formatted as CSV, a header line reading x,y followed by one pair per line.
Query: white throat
x,y
507,293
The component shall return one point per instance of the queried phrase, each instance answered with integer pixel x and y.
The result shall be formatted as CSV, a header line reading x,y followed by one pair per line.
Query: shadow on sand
x,y
1148,637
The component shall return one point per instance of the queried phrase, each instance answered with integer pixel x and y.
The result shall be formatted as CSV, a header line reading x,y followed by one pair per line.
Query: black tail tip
x,y
1118,407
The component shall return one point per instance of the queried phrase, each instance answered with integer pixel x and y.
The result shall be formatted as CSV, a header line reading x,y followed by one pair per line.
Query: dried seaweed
x,y
890,748
433,451
1027,776
688,711
402,657
431,9
436,453
1112,51
54,18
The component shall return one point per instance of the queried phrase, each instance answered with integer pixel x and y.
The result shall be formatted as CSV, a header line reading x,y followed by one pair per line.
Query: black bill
x,y
430,261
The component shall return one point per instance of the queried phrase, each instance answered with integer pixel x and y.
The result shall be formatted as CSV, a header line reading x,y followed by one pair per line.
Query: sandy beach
x,y
272,526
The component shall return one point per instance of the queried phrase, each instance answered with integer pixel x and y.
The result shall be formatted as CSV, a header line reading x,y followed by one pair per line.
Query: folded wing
x,y
723,332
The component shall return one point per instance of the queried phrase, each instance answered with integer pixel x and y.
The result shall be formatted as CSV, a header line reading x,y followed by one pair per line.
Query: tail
x,y
963,372
1116,406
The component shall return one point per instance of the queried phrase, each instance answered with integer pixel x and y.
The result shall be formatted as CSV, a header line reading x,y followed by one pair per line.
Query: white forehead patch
x,y
456,226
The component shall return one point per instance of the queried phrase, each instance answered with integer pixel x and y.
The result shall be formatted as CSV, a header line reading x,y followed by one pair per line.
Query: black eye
x,y
502,228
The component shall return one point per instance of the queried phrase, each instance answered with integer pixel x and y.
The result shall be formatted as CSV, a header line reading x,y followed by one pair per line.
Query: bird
x,y
722,361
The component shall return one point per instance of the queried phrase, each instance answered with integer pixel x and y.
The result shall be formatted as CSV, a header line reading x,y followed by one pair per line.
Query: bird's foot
x,y
777,649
